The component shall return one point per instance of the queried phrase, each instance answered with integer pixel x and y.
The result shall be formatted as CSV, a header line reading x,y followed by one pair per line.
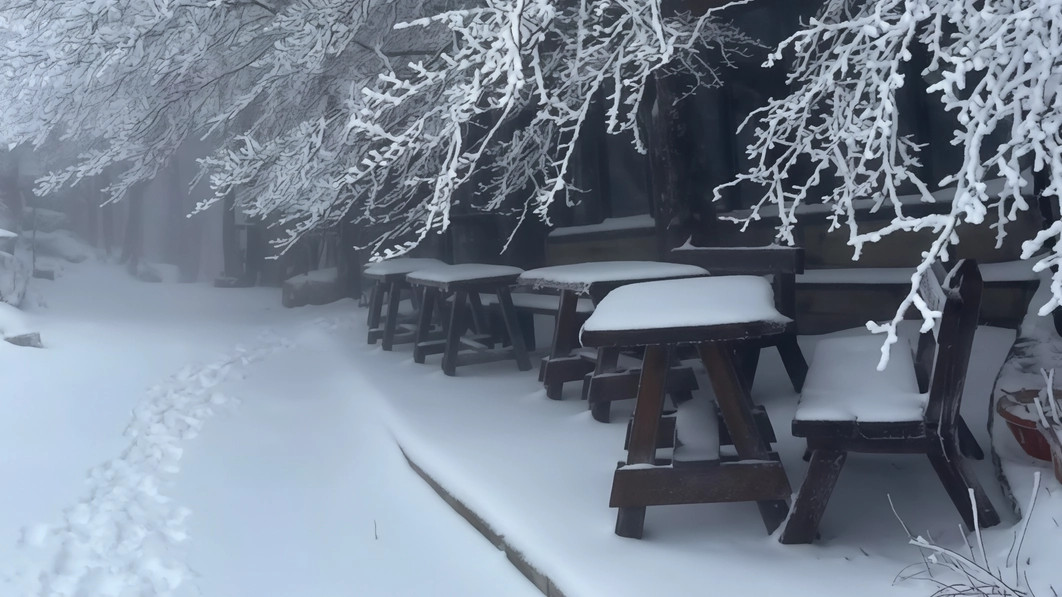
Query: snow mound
x,y
63,244
13,322
158,272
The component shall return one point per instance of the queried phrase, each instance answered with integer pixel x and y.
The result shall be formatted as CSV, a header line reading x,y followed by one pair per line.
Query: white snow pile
x,y
158,272
13,322
63,244
121,538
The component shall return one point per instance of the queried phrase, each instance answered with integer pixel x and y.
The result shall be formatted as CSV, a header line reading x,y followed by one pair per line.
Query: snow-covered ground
x,y
208,436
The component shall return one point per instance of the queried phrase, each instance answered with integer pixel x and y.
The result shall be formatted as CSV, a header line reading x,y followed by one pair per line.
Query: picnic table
x,y
714,315
594,280
467,282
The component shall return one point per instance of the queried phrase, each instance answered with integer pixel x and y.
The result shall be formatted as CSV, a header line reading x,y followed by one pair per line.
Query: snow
x,y
13,322
401,265
465,271
686,302
7,234
539,473
1006,271
580,276
843,383
607,225
63,244
328,274
697,429
162,438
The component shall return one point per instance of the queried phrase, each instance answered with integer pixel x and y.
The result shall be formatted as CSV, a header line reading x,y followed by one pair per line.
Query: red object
x,y
1017,411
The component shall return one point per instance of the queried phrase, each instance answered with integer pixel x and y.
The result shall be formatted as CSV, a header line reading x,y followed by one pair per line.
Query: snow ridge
x,y
122,538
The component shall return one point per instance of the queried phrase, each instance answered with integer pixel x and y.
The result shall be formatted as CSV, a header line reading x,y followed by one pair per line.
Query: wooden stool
x,y
712,314
466,282
390,277
594,280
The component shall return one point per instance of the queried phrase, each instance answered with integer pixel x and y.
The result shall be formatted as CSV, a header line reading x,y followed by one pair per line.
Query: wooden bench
x,y
467,282
529,304
912,407
712,314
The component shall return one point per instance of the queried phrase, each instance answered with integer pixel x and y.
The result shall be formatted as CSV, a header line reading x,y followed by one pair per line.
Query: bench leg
x,y
958,481
516,336
645,427
793,360
375,309
424,319
813,495
968,445
394,297
454,331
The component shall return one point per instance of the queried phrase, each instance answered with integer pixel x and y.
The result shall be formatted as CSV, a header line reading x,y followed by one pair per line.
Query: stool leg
x,y
424,317
565,336
793,360
813,495
394,296
375,308
645,427
454,332
516,335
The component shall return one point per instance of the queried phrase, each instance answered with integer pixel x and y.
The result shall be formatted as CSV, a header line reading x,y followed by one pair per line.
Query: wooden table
x,y
390,278
711,314
594,280
466,282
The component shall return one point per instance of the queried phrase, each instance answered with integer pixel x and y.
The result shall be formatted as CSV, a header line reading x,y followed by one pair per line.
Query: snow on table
x,y
608,225
464,272
403,265
581,276
686,302
843,383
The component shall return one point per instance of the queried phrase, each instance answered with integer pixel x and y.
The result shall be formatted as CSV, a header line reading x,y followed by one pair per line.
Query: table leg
x,y
607,362
393,299
644,430
512,325
735,404
565,336
424,318
454,331
375,308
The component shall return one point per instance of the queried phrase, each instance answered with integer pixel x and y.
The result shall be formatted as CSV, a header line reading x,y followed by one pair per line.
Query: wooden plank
x,y
813,496
726,482
748,261
684,335
609,387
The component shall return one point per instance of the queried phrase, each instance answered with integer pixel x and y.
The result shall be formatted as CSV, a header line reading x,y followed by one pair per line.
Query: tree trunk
x,y
133,242
667,165
230,240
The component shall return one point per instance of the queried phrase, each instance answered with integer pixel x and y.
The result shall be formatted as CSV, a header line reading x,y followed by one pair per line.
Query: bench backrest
x,y
783,263
943,354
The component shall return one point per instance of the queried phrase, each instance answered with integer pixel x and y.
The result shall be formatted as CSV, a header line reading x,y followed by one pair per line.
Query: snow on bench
x,y
464,272
547,304
844,384
401,265
608,225
581,276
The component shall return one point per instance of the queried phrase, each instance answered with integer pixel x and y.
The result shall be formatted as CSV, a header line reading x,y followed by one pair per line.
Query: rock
x,y
15,271
318,287
44,220
63,244
44,274
31,340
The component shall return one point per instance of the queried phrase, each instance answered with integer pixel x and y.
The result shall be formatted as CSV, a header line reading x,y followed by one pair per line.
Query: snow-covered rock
x,y
8,240
15,327
44,220
30,340
63,244
15,271
158,272
318,287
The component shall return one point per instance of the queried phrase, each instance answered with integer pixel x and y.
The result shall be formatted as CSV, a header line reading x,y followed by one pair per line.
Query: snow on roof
x,y
687,302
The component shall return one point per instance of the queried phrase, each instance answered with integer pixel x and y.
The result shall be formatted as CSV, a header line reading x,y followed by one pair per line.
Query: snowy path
x,y
294,487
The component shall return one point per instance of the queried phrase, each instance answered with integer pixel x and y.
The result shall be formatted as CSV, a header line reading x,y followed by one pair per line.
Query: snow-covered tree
x,y
996,65
497,110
